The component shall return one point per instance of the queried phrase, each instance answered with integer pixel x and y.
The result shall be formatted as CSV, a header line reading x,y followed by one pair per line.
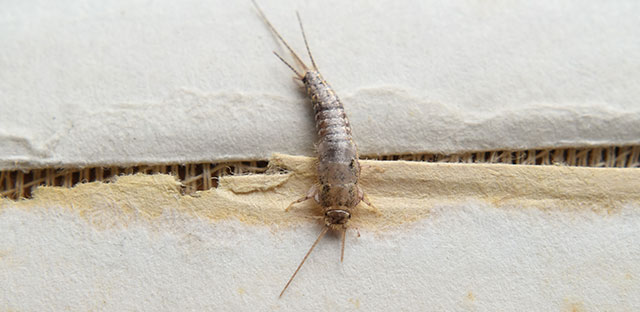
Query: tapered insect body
x,y
337,190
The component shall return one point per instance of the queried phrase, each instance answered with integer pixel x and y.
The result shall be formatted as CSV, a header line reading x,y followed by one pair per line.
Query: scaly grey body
x,y
337,190
338,167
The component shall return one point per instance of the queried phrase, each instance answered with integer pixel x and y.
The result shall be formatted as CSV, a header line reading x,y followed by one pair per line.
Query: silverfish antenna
x,y
293,53
306,44
324,231
288,65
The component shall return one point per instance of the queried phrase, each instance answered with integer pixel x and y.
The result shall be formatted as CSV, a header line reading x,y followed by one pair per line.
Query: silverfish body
x,y
337,190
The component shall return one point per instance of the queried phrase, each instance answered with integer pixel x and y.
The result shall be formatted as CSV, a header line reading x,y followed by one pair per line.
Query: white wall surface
x,y
86,83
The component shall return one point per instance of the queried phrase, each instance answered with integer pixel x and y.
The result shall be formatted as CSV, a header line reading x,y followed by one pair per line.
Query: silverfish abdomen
x,y
338,167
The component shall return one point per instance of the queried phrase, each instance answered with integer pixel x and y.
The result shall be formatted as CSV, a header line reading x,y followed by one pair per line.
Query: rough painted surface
x,y
452,237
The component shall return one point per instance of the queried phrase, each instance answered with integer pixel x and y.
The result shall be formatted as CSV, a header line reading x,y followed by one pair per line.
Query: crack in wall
x,y
17,184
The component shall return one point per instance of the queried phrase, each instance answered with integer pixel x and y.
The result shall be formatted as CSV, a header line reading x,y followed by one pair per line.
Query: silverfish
x,y
337,190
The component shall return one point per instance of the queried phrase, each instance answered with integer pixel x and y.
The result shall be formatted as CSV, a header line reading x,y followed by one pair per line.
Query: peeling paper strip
x,y
403,191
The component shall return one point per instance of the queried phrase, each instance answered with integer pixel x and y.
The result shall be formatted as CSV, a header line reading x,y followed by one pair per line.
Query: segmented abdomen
x,y
338,167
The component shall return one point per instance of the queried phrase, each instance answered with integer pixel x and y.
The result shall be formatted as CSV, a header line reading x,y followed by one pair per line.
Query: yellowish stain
x,y
577,307
573,305
5,258
241,291
355,302
471,297
403,191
